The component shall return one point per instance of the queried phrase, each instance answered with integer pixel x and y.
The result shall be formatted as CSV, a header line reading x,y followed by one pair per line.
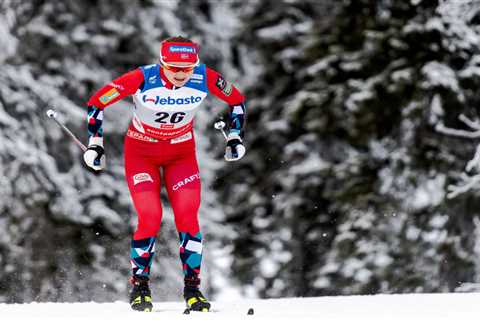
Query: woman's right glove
x,y
94,157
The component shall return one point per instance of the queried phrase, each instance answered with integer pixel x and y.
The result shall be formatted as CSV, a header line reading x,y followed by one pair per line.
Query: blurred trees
x,y
353,137
343,188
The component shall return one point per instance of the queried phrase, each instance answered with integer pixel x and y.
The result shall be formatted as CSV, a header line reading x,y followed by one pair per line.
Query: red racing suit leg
x,y
143,161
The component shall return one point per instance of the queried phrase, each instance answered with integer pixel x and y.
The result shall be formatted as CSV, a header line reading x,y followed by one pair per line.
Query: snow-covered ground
x,y
458,306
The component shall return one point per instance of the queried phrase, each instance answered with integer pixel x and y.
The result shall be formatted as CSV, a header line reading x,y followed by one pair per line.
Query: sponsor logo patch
x,y
109,96
197,76
183,138
224,86
116,86
183,49
186,181
154,100
141,177
152,79
228,89
221,83
171,101
139,136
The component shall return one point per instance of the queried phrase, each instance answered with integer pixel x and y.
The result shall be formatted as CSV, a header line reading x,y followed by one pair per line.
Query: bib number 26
x,y
165,117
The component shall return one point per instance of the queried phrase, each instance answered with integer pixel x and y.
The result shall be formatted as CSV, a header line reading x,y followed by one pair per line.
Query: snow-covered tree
x,y
361,114
348,192
65,232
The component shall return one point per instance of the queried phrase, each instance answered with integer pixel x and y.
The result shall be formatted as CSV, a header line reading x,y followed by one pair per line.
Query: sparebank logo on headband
x,y
182,49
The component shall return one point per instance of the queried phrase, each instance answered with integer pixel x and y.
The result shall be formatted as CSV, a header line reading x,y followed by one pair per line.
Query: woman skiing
x,y
166,97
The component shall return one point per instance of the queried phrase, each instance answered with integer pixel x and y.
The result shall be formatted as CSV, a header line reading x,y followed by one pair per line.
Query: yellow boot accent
x,y
192,301
136,301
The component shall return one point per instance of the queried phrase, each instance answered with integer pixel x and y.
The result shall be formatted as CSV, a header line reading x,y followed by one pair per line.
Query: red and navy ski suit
x,y
161,137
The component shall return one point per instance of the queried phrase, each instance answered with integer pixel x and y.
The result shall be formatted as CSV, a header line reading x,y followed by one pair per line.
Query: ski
x,y
250,311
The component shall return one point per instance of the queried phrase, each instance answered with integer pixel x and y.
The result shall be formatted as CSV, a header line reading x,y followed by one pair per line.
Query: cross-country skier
x,y
166,97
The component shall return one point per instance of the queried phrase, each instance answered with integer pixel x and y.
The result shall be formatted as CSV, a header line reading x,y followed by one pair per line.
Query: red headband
x,y
172,52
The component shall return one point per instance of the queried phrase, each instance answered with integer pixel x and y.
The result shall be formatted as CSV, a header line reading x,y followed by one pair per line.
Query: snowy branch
x,y
475,125
468,182
475,162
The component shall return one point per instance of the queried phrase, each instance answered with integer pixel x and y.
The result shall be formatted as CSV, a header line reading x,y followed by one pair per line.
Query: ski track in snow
x,y
454,306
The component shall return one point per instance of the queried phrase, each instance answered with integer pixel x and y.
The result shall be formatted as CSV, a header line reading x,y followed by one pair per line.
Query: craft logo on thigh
x,y
141,177
185,181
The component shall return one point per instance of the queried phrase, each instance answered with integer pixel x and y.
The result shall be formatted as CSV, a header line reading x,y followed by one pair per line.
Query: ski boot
x,y
193,297
140,296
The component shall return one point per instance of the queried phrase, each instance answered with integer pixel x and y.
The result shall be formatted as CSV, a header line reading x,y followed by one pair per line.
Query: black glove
x,y
235,149
94,157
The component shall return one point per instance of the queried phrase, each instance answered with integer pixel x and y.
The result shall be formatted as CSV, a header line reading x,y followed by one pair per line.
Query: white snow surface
x,y
452,306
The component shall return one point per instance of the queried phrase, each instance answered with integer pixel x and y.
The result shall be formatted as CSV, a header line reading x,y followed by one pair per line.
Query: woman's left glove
x,y
235,149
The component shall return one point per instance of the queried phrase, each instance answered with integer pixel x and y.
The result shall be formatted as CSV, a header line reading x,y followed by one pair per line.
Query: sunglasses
x,y
178,69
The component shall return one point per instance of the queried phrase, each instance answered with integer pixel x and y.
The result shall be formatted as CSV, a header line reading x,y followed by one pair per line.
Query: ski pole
x,y
219,125
52,114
